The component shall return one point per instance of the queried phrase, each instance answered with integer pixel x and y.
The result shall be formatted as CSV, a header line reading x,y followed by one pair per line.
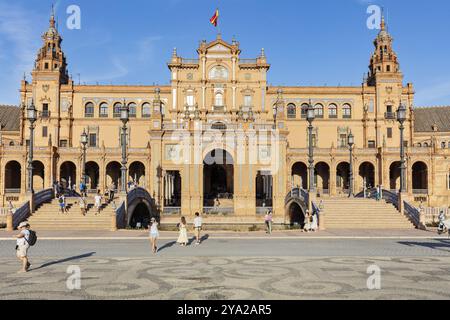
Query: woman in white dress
x,y
314,224
307,226
154,234
183,239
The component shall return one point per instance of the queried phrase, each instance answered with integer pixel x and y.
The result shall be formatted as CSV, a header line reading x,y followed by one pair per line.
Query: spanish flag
x,y
215,19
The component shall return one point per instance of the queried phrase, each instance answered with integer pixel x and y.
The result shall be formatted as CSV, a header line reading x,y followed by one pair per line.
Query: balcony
x,y
44,114
332,116
390,115
219,108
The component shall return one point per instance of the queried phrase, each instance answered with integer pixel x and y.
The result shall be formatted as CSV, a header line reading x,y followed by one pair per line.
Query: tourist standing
x,y
83,205
182,239
154,234
198,225
307,226
268,220
314,222
98,202
22,246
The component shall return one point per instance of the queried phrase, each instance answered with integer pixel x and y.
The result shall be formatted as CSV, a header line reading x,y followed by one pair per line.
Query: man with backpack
x,y
25,239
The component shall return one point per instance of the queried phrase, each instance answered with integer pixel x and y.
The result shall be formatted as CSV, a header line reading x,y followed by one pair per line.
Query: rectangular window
x,y
389,109
46,66
63,143
190,100
45,112
343,143
93,140
44,132
248,101
389,133
371,144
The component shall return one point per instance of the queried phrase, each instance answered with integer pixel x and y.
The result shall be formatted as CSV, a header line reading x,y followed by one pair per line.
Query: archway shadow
x,y
438,244
48,264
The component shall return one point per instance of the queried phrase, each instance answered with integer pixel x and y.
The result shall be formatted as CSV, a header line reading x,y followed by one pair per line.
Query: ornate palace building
x,y
220,138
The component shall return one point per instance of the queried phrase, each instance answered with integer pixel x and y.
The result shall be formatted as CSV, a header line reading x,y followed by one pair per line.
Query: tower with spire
x,y
384,62
50,59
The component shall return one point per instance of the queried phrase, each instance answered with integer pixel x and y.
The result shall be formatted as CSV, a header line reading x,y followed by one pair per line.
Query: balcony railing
x,y
172,211
12,191
263,210
421,191
219,108
44,114
217,211
390,115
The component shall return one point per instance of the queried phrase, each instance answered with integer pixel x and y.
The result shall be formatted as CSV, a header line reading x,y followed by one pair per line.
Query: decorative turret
x,y
384,60
50,57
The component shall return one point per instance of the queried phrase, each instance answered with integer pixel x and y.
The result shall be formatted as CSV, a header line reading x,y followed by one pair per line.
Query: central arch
x,y
296,214
218,177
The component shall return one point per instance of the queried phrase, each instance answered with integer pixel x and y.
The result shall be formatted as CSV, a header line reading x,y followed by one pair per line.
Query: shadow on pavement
x,y
167,246
83,256
440,244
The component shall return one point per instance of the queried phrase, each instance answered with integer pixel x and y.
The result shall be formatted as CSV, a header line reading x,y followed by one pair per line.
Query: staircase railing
x,y
413,213
297,193
24,212
21,214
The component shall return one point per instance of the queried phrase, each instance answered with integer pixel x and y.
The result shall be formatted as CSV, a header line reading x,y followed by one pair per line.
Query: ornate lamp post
x,y
124,117
351,143
310,117
401,118
84,141
32,117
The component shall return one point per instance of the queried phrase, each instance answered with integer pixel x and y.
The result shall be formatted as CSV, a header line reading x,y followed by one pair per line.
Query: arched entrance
x,y
113,174
264,189
394,175
38,176
367,175
300,176
92,175
420,177
68,173
322,176
218,177
296,215
13,177
140,217
343,176
137,173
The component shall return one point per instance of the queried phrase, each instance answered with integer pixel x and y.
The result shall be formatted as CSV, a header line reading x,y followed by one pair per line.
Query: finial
x,y
219,36
157,92
174,52
52,17
263,54
383,23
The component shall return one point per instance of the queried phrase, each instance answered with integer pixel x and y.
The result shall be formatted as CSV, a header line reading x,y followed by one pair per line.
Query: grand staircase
x,y
49,217
355,213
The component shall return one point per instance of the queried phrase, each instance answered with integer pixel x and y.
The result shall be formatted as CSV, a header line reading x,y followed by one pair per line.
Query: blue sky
x,y
321,42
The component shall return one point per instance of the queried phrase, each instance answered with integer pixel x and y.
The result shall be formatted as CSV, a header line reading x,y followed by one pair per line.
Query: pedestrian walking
x,y
62,203
182,226
82,203
154,234
268,220
82,189
23,243
98,202
198,225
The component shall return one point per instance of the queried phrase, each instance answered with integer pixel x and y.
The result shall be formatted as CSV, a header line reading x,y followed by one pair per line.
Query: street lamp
x,y
310,117
124,117
401,118
32,117
84,141
351,143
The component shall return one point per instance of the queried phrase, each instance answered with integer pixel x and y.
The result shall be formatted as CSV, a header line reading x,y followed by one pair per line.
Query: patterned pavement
x,y
318,269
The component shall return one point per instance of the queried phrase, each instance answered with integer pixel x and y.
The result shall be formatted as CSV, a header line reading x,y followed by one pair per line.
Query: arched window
x,y
219,73
318,110
443,145
425,145
419,145
347,111
218,101
117,107
332,111
291,111
146,110
219,126
305,107
132,110
103,110
89,110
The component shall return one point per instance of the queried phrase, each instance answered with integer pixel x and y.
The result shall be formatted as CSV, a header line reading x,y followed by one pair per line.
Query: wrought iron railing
x,y
413,213
420,191
12,191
